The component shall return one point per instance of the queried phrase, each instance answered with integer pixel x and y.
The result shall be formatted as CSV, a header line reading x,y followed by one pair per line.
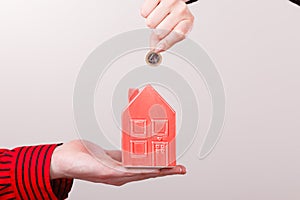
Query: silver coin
x,y
153,58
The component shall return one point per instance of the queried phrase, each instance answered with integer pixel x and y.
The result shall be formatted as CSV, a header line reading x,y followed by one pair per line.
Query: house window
x,y
160,127
138,148
138,127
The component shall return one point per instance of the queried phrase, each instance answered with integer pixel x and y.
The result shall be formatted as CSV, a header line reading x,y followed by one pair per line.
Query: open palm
x,y
87,161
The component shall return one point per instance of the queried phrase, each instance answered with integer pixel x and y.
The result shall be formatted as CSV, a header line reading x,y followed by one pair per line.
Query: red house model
x,y
148,130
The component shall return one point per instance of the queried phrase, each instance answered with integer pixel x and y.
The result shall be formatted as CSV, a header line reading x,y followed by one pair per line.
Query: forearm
x,y
25,174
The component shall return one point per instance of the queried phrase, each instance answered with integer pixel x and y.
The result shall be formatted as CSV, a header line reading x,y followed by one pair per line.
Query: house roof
x,y
150,95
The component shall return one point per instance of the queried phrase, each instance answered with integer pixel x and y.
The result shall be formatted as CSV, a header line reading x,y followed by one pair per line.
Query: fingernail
x,y
160,47
152,48
182,170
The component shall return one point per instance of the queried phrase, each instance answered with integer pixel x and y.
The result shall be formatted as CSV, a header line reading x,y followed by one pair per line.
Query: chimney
x,y
132,92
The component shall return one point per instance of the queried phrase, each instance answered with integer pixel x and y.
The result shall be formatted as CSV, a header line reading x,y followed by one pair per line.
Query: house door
x,y
160,154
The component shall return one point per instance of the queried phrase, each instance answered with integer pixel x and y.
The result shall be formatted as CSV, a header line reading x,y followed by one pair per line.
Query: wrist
x,y
55,171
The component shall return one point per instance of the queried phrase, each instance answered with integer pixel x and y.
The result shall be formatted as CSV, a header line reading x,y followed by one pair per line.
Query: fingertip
x,y
143,13
160,47
152,49
179,169
182,170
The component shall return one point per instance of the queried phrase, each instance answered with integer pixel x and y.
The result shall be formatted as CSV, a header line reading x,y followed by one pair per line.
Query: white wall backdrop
x,y
255,45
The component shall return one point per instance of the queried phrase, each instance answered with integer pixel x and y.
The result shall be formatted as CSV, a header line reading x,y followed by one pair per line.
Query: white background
x,y
255,45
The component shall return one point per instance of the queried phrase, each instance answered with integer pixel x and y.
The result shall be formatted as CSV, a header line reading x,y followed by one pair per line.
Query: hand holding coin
x,y
171,21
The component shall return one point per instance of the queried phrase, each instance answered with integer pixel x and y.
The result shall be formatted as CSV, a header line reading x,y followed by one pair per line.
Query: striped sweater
x,y
25,174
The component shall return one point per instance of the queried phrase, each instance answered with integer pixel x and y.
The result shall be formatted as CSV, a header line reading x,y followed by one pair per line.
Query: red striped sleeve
x,y
25,174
